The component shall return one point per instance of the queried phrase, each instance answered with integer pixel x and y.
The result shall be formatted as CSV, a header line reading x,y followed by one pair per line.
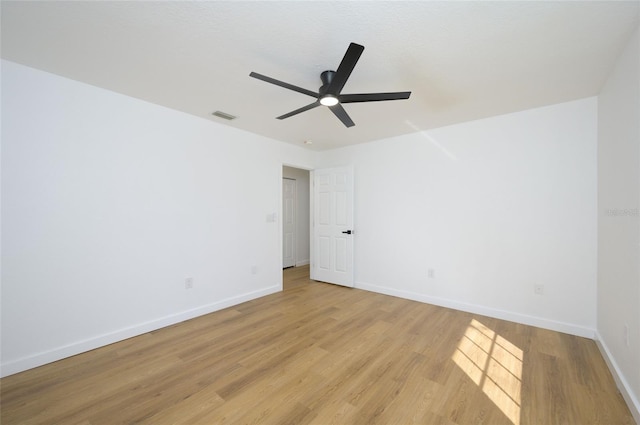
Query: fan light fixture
x,y
330,93
329,100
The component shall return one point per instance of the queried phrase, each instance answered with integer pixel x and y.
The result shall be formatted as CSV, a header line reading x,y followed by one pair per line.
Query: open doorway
x,y
296,219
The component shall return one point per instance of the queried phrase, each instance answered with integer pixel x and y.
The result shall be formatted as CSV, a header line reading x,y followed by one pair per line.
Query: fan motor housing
x,y
326,77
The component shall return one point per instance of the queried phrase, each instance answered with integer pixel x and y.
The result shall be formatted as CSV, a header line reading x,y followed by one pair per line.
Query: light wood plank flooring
x,y
323,354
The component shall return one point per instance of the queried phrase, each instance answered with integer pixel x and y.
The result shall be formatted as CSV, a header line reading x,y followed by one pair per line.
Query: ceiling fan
x,y
330,94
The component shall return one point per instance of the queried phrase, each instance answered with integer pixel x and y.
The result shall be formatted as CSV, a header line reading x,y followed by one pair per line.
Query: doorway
x,y
295,208
289,222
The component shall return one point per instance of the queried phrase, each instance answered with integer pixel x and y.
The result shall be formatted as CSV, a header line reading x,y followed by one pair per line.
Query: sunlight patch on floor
x,y
494,364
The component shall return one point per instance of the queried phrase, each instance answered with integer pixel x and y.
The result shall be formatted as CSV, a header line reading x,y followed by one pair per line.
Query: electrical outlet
x,y
188,283
254,269
538,289
431,274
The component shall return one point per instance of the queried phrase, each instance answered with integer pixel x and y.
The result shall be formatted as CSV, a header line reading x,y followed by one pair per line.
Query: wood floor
x,y
322,354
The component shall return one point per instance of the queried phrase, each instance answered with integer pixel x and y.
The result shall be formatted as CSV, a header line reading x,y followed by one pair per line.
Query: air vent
x,y
224,115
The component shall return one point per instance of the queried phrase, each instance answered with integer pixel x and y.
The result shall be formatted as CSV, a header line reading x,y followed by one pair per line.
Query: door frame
x,y
281,222
295,222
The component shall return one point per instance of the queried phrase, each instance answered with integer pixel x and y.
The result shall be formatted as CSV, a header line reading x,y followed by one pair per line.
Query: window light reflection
x,y
495,365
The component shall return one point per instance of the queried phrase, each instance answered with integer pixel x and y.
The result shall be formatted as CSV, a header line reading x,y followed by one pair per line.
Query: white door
x,y
332,227
288,223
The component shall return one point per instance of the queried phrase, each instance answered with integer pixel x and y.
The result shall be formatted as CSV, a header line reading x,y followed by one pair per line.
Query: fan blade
x,y
297,111
342,115
283,84
344,70
373,97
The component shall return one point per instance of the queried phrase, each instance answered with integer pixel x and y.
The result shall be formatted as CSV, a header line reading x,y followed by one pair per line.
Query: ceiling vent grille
x,y
224,115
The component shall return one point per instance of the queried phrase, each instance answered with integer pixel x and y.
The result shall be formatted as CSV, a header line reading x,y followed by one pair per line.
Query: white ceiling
x,y
461,60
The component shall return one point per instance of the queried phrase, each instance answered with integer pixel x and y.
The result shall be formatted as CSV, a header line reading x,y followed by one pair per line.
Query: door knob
x,y
348,232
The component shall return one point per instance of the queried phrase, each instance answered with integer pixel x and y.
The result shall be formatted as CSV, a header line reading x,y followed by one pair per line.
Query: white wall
x,y
619,221
109,203
493,207
302,212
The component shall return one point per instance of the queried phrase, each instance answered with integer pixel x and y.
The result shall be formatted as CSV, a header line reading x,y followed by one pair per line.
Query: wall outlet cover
x,y
188,283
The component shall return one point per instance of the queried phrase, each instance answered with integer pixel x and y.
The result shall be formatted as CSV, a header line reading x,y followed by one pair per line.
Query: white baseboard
x,y
59,353
484,311
621,382
302,263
